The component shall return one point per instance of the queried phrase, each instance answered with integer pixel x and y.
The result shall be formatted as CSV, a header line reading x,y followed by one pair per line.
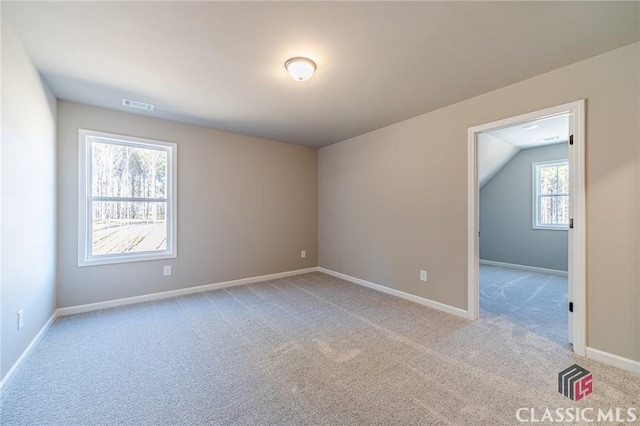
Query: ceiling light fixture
x,y
300,69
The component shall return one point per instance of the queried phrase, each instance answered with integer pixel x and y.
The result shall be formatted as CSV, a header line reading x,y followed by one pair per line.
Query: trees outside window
x,y
127,199
551,195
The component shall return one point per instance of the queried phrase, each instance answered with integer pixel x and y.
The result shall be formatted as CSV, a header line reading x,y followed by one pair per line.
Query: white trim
x,y
577,235
27,351
78,309
613,360
524,267
85,258
591,353
473,226
401,294
577,262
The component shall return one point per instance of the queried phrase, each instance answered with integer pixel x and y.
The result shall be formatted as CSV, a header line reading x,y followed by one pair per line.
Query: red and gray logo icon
x,y
575,382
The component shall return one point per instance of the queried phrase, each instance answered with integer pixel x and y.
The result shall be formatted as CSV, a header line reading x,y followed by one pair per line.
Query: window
x,y
551,195
127,199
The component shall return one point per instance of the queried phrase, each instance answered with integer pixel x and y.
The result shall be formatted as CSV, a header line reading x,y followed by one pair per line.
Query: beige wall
x,y
28,200
246,207
394,201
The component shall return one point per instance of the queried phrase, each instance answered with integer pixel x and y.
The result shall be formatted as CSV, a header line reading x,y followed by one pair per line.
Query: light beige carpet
x,y
532,300
310,349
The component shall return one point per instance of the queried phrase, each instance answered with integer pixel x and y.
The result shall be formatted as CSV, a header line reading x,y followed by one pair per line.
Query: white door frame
x,y
577,261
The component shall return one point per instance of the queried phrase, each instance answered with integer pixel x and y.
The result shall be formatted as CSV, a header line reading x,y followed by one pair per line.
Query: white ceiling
x,y
548,131
498,147
220,64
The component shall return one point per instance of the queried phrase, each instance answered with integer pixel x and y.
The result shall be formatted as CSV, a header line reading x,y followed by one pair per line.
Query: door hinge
x,y
571,140
570,306
571,223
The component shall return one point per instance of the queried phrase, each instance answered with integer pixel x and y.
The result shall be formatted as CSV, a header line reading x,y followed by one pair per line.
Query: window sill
x,y
550,228
110,260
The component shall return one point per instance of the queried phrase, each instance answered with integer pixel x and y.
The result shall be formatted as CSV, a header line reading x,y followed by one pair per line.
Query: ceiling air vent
x,y
139,105
552,138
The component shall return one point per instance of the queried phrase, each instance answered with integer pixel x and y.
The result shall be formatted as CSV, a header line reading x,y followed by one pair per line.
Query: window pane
x,y
125,171
552,193
546,210
128,227
549,180
563,210
554,210
563,179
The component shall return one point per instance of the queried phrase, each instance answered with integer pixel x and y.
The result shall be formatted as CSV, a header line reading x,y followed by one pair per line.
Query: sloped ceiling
x,y
497,147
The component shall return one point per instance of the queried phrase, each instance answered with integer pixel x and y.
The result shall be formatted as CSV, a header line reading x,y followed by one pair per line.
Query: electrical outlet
x,y
303,254
423,275
167,270
20,318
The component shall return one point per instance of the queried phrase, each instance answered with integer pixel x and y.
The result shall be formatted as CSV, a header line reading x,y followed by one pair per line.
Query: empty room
x,y
524,216
300,213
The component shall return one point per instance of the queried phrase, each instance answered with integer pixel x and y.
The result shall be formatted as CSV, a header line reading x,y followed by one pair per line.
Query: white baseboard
x,y
407,296
27,351
591,353
524,267
72,310
613,360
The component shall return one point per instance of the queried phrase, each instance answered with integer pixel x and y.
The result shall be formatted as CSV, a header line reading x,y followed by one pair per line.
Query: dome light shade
x,y
300,69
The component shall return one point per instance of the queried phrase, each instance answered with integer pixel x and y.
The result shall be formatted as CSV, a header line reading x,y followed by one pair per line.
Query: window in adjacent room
x,y
551,195
127,199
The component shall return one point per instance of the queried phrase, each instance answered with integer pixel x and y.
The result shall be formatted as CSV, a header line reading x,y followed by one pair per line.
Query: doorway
x,y
576,308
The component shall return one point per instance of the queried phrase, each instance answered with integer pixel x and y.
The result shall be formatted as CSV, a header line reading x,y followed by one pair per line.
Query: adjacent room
x,y
524,221
319,213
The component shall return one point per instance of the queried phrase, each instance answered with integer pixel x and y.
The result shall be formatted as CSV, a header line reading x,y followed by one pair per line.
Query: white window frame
x,y
536,195
85,257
